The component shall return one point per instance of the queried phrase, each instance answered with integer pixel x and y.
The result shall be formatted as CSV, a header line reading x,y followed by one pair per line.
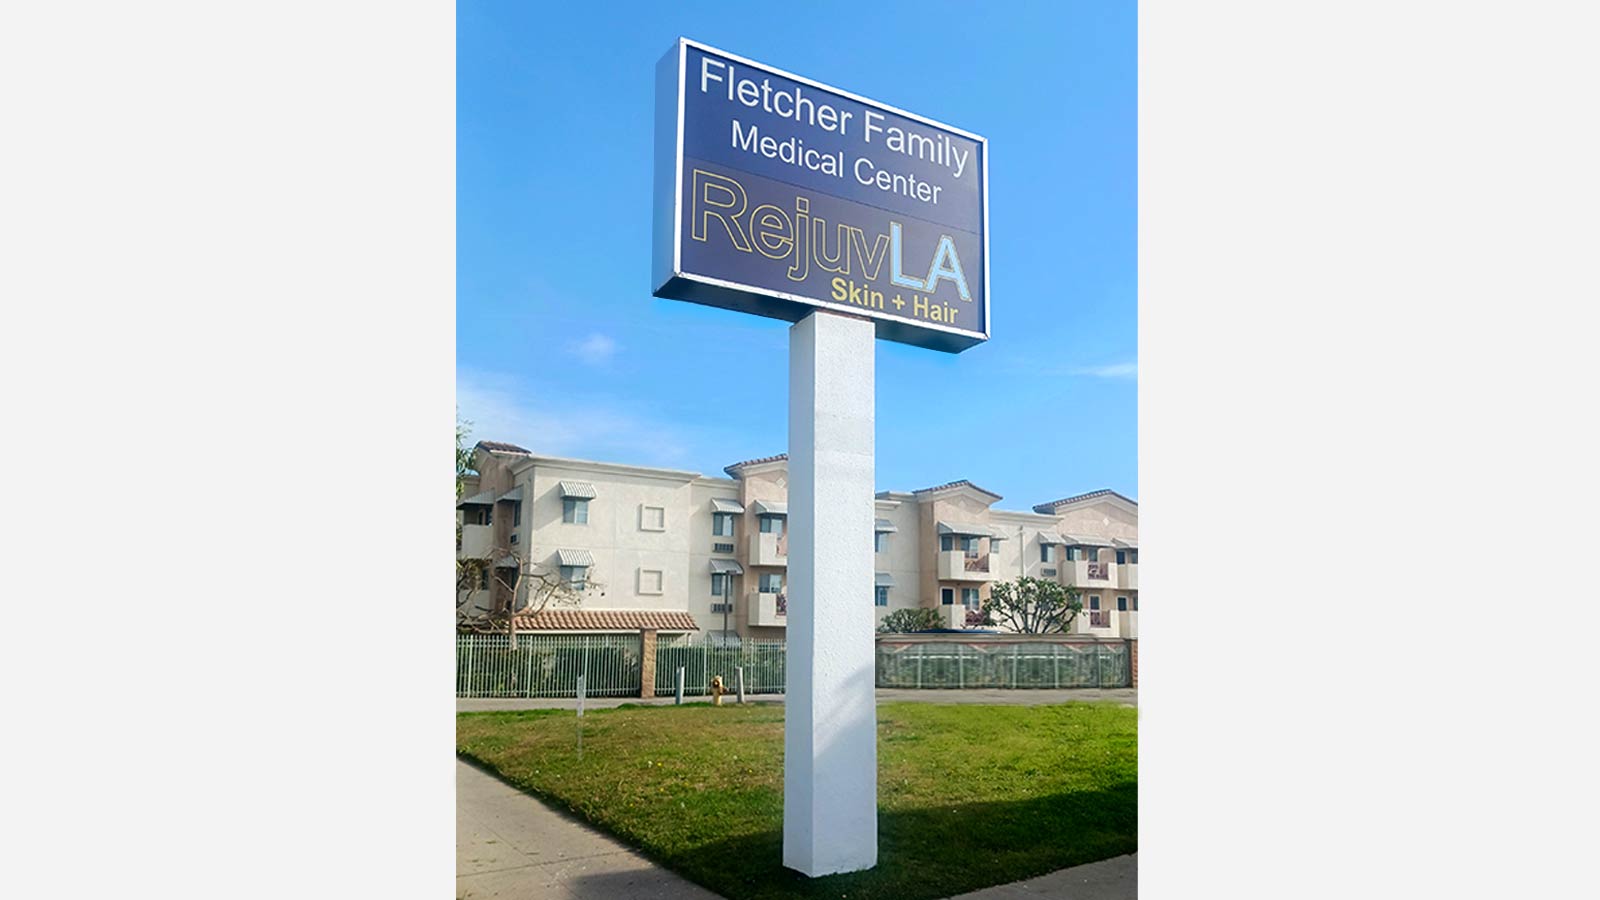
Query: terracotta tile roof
x,y
501,447
962,483
606,620
1053,505
732,470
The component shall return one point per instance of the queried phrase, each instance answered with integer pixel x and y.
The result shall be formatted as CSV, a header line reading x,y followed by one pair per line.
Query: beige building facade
x,y
683,547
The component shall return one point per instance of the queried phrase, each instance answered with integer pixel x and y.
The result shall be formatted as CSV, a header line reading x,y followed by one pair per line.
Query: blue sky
x,y
561,348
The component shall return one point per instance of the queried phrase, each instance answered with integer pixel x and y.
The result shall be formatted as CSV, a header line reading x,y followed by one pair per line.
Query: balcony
x,y
1107,623
964,565
952,616
767,549
477,542
1128,576
1082,573
768,609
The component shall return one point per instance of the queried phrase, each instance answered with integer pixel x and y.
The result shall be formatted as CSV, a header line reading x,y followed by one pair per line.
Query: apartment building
x,y
675,551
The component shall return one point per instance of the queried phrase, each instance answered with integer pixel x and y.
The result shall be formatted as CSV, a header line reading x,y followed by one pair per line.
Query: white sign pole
x,y
830,772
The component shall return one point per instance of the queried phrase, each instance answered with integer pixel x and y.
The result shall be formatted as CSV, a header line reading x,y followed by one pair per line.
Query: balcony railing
x,y
1099,618
1099,571
768,608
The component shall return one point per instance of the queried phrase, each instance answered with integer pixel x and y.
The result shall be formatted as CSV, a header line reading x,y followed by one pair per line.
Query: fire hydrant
x,y
717,690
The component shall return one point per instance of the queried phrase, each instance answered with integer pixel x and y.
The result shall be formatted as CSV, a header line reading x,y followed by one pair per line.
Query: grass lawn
x,y
968,796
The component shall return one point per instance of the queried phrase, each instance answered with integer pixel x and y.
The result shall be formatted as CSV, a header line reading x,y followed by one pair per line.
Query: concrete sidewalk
x,y
987,696
510,846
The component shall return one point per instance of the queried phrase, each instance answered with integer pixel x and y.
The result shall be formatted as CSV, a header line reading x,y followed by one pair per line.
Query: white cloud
x,y
596,349
1115,370
502,408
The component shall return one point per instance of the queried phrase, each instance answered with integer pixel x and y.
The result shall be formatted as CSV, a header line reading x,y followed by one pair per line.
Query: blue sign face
x,y
776,195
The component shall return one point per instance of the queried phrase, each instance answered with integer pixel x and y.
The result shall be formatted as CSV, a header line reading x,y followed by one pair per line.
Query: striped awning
x,y
883,579
580,490
1050,537
969,529
575,557
515,494
771,508
485,498
1082,540
883,526
723,505
726,567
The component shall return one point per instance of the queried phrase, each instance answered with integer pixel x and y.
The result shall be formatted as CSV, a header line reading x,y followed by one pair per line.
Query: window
x,y
1094,554
969,544
1133,557
483,578
719,584
576,577
1122,604
575,510
1044,553
722,607
1072,554
947,596
1122,558
722,524
771,582
486,515
1094,601
1135,604
516,513
947,542
880,540
881,596
652,518
969,598
772,524
513,537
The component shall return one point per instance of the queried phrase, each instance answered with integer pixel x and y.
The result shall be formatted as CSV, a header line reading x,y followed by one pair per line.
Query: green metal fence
x,y
702,660
547,665
949,664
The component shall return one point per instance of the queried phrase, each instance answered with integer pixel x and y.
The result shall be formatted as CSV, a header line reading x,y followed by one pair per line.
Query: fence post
x,y
679,700
741,684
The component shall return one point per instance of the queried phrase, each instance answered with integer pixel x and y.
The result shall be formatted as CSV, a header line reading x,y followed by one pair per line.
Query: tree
x,y
904,620
1034,606
544,586
464,465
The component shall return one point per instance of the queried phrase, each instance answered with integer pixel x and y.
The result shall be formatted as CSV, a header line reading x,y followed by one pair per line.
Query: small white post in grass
x,y
581,692
740,671
679,695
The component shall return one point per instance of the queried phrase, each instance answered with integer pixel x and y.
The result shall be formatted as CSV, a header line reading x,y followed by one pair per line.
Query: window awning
x,y
883,579
578,490
506,562
1122,544
771,508
485,498
969,529
997,535
722,505
1050,537
884,526
1079,540
513,495
726,567
575,557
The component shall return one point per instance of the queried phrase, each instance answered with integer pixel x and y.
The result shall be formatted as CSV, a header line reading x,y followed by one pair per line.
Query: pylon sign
x,y
776,195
